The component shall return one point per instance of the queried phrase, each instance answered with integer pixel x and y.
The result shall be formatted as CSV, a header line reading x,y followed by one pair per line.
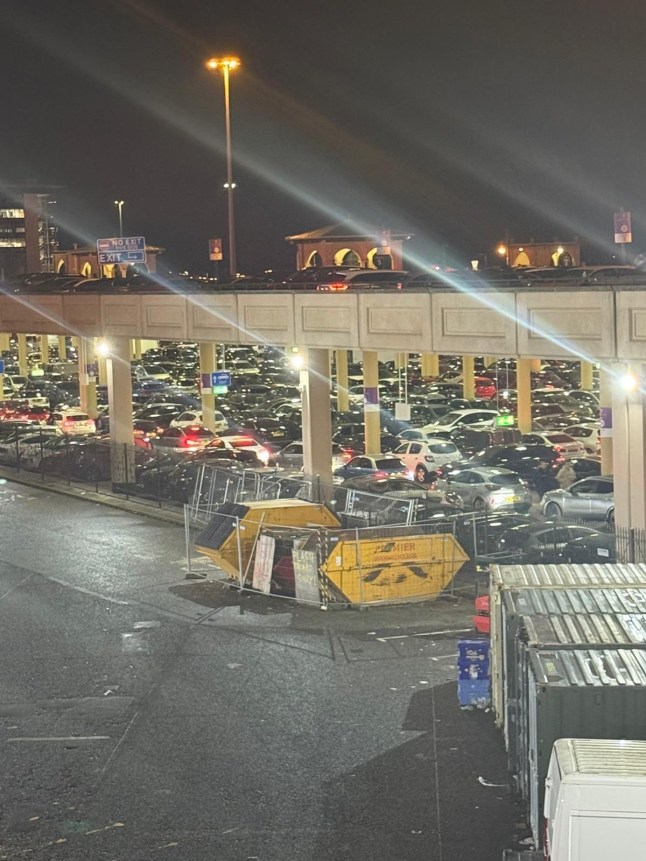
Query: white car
x,y
72,422
423,457
562,442
470,418
194,417
28,447
589,435
236,443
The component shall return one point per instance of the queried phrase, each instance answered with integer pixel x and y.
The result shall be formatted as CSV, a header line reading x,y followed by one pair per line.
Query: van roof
x,y
601,756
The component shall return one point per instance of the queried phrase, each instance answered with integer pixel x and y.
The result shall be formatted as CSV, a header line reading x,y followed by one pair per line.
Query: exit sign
x,y
505,421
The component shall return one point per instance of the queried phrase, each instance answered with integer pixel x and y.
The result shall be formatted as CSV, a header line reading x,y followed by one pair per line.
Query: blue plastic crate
x,y
473,650
474,670
476,692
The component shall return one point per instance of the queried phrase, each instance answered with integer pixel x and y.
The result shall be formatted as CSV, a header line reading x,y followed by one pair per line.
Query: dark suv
x,y
522,459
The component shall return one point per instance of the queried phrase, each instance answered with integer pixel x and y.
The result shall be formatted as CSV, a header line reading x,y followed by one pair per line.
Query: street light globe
x,y
629,382
102,348
229,63
297,361
501,250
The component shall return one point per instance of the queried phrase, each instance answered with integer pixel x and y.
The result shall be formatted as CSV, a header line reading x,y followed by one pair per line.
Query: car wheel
x,y
421,474
611,517
479,504
552,511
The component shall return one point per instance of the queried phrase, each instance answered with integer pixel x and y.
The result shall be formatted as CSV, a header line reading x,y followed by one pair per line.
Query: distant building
x,y
28,236
346,245
537,254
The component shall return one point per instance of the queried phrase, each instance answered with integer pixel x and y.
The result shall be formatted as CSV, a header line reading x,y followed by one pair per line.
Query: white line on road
x,y
62,738
17,586
424,634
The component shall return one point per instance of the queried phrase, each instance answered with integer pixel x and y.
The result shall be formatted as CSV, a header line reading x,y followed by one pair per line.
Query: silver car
x,y
488,488
291,457
588,499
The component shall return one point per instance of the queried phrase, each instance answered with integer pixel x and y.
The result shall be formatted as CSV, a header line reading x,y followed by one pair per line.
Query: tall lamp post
x,y
226,65
119,205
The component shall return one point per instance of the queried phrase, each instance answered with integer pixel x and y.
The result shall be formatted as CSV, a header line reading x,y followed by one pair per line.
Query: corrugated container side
x,y
578,693
554,577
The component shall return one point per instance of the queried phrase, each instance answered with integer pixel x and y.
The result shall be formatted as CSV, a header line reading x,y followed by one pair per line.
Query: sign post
x,y
121,249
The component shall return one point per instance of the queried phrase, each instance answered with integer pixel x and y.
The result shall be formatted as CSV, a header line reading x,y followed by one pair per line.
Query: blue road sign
x,y
1,366
121,249
221,378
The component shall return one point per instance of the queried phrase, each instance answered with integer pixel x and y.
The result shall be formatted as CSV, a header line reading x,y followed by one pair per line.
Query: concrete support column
x,y
629,427
120,411
44,348
489,361
371,417
430,365
586,376
22,355
401,361
5,342
208,364
523,387
342,397
535,365
606,385
468,377
62,349
317,419
136,348
87,383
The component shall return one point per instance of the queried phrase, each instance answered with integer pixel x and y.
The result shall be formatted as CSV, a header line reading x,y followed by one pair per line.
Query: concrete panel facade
x,y
164,317
563,324
266,318
395,321
545,323
212,318
322,320
474,325
121,316
631,324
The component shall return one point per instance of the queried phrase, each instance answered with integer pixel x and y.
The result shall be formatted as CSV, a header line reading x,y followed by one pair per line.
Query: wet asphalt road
x,y
147,716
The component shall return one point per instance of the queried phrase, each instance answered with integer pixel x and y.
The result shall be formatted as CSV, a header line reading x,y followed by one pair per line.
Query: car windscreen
x,y
559,437
389,463
442,448
504,480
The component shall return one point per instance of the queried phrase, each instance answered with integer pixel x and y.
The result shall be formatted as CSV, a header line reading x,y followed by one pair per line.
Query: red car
x,y
485,388
24,412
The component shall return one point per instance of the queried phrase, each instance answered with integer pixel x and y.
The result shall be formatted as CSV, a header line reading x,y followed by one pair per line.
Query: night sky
x,y
458,121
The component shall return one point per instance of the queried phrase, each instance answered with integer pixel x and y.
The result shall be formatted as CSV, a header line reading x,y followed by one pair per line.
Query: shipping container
x,y
554,577
585,630
577,693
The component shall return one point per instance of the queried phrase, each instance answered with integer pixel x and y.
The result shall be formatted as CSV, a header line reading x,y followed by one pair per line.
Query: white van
x,y
595,800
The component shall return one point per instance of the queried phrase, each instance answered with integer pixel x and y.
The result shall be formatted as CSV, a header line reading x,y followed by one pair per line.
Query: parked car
x,y
240,441
599,548
184,439
422,458
472,418
379,465
291,457
588,499
565,444
194,417
488,488
524,460
72,422
539,542
588,435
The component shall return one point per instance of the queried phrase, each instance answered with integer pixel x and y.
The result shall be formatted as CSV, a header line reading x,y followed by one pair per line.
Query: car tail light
x,y
337,285
493,487
381,474
190,442
346,455
67,423
263,455
429,458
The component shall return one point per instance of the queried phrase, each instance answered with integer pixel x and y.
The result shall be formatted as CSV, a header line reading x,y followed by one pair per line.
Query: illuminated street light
x,y
629,382
119,205
226,65
103,348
